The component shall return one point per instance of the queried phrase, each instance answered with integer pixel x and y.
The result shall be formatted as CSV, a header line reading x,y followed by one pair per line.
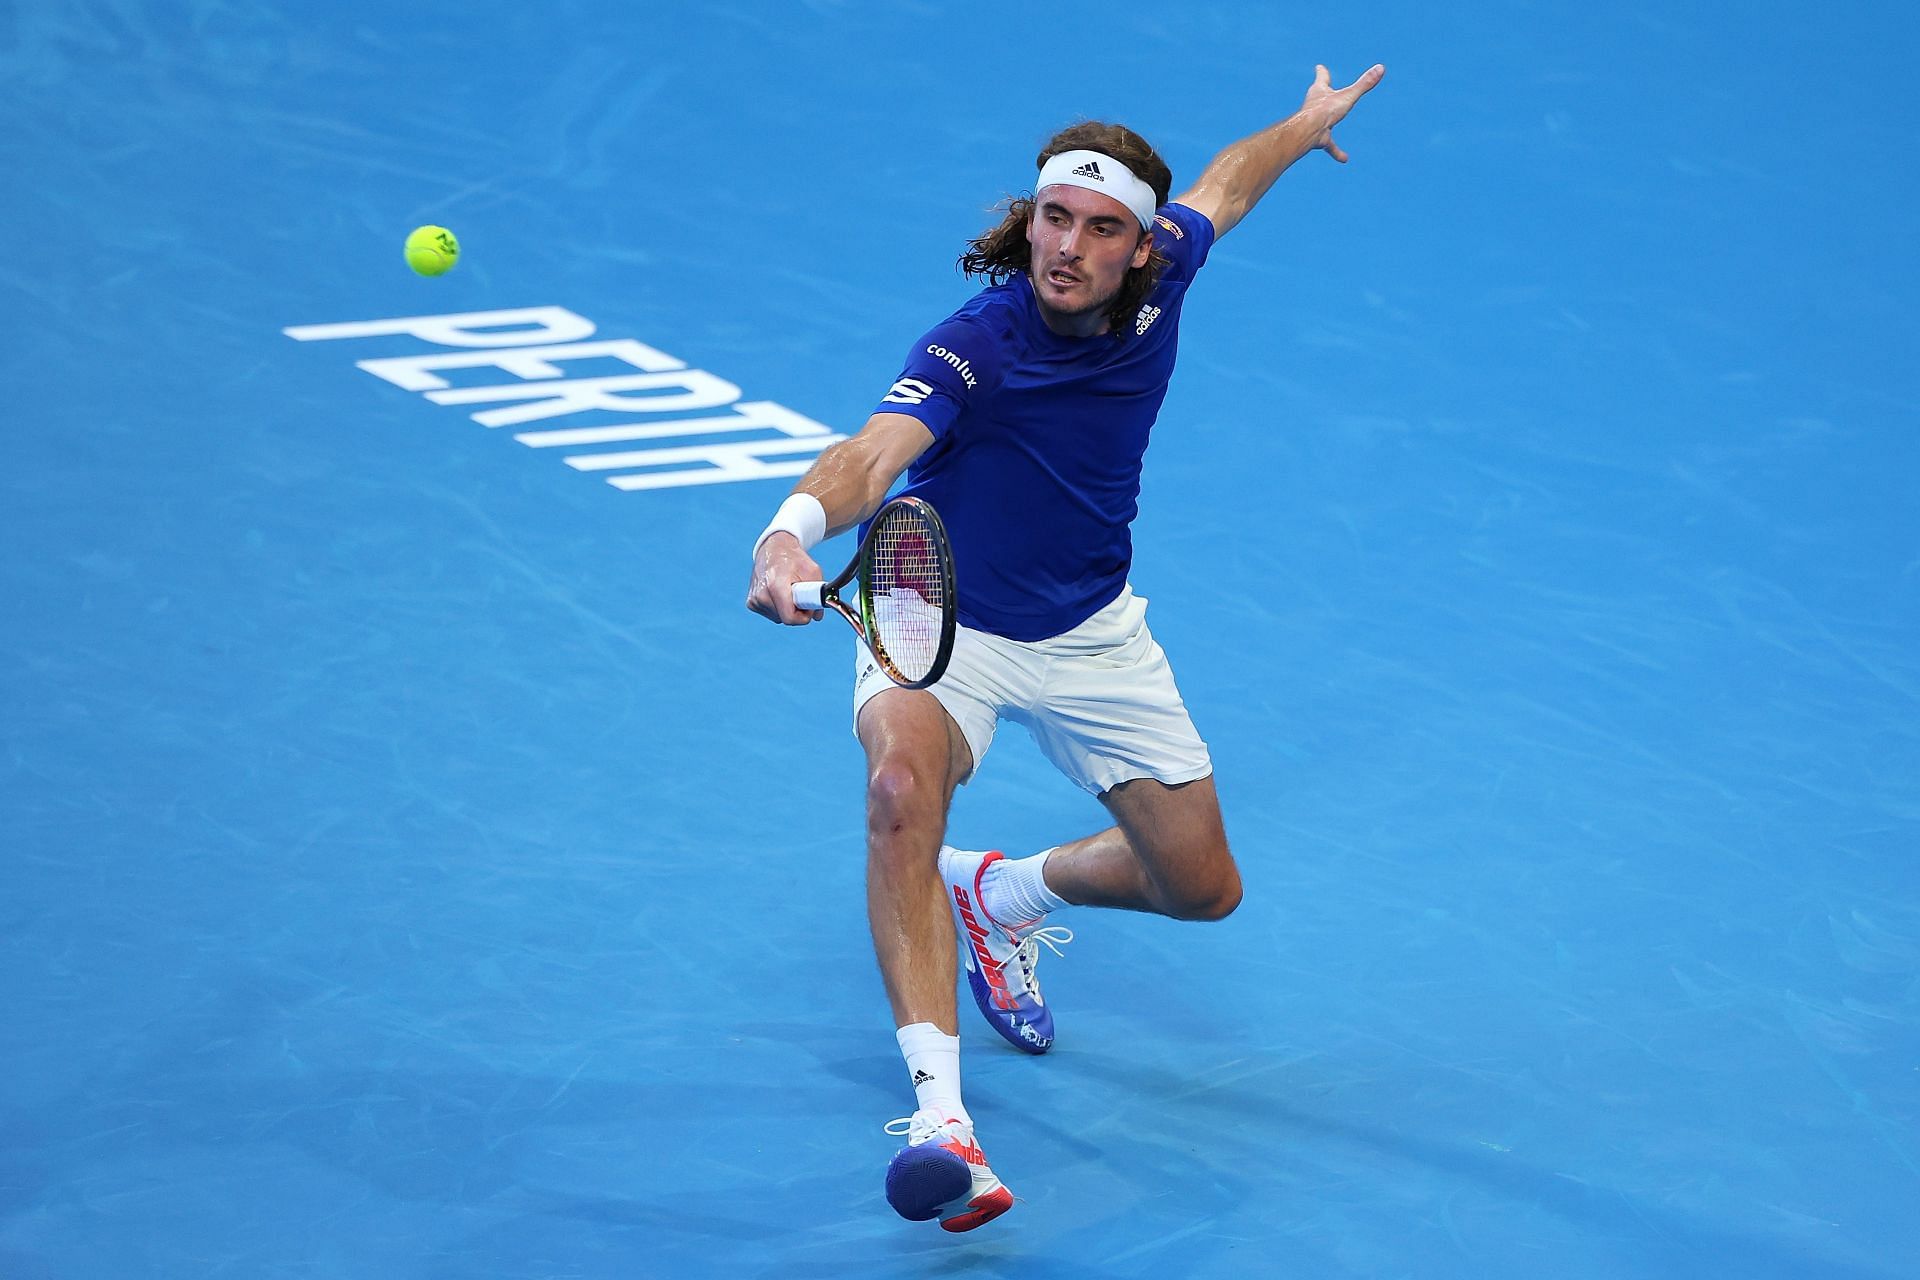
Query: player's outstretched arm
x,y
1236,179
848,481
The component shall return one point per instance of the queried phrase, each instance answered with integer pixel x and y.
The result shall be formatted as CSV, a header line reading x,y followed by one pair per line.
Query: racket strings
x,y
907,587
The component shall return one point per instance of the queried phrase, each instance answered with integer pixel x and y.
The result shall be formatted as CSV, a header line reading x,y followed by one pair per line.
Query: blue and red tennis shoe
x,y
942,1173
1000,957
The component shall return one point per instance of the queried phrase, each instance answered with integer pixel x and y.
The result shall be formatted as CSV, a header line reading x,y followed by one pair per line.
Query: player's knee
x,y
1222,904
899,794
1213,898
1207,910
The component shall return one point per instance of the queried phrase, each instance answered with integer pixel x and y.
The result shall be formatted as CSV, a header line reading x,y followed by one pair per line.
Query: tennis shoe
x,y
942,1173
1000,958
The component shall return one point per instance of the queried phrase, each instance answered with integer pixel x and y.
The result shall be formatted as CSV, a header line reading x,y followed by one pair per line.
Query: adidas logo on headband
x,y
1097,171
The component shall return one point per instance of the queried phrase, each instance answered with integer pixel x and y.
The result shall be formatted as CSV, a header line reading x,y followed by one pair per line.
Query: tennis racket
x,y
904,607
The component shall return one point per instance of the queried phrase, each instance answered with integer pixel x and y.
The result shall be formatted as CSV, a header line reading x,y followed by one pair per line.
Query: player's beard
x,y
1095,303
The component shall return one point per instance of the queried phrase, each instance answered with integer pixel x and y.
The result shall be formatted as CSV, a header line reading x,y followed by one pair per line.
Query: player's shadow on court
x,y
1660,1240
537,1166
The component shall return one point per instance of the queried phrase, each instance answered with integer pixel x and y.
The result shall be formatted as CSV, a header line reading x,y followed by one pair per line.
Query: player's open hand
x,y
779,564
1333,104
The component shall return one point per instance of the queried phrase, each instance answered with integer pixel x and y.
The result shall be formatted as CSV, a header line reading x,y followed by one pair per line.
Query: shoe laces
x,y
1054,937
923,1126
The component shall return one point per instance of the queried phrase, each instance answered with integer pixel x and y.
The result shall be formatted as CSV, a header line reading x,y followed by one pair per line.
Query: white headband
x,y
1097,171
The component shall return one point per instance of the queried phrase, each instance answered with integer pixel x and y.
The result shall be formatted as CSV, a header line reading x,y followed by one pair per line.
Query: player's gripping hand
x,y
779,564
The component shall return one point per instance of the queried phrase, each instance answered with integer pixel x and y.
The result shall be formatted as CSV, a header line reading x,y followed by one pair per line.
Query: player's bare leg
x,y
1168,855
916,756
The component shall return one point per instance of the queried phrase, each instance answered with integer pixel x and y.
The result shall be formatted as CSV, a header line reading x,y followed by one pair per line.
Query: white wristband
x,y
800,515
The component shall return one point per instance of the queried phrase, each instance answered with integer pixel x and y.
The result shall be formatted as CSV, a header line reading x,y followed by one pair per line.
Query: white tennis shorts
x,y
1099,700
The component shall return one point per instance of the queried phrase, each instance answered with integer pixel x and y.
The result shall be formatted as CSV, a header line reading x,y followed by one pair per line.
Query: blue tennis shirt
x,y
1038,440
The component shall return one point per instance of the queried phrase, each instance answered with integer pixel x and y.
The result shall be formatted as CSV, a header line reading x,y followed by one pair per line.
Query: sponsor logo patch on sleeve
x,y
908,391
961,365
1170,225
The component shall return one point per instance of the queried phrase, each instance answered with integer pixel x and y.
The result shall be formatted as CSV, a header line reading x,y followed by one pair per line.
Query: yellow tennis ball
x,y
432,250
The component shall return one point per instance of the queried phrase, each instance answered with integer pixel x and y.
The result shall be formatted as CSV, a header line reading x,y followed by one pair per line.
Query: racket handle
x,y
806,595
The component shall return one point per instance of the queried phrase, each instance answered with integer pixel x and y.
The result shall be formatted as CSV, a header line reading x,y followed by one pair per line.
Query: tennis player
x,y
1023,419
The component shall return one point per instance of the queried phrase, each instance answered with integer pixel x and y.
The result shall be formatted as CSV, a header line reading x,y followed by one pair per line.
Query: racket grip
x,y
806,595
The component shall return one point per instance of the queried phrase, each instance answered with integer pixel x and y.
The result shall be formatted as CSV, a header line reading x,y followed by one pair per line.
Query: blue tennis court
x,y
415,862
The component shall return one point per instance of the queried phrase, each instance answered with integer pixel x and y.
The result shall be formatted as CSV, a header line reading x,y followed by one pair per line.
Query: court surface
x,y
414,862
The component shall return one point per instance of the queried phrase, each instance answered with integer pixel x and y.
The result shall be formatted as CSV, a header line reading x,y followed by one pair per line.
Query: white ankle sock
x,y
1015,891
933,1062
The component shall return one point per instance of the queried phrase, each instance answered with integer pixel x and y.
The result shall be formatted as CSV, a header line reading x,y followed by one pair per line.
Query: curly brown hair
x,y
1002,252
